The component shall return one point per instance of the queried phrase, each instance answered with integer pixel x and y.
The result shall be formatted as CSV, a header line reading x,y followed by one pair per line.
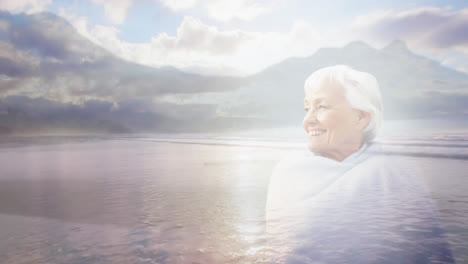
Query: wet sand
x,y
126,201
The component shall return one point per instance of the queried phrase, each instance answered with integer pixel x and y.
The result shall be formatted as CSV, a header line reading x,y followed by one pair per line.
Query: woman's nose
x,y
310,117
309,120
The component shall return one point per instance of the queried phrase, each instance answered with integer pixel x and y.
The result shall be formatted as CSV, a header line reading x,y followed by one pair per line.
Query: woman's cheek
x,y
339,118
327,119
323,117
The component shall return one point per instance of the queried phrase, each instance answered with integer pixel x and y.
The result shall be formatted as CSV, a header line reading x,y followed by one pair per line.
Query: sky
x,y
243,37
128,66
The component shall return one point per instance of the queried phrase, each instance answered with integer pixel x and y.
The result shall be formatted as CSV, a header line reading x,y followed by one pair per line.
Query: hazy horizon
x,y
65,69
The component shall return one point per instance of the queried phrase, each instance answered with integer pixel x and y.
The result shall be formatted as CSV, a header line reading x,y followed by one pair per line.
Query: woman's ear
x,y
363,119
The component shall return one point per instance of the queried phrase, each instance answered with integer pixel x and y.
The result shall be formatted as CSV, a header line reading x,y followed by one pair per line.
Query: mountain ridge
x,y
85,84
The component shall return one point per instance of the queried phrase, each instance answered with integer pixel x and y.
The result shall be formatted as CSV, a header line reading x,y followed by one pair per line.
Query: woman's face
x,y
335,129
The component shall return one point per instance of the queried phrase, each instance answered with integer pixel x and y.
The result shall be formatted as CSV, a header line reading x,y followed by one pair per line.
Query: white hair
x,y
362,92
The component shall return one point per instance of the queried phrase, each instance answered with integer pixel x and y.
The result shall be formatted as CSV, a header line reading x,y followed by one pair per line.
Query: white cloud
x,y
28,6
198,47
177,5
80,23
194,36
222,10
115,10
370,19
226,10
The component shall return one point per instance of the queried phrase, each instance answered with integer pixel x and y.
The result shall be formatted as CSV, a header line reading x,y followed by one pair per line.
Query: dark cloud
x,y
12,68
77,69
47,36
53,79
452,35
27,115
432,27
24,115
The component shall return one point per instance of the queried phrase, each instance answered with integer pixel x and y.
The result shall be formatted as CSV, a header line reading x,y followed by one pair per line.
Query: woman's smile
x,y
316,132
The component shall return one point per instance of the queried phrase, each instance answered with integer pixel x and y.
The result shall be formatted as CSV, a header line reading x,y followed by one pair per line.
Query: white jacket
x,y
369,208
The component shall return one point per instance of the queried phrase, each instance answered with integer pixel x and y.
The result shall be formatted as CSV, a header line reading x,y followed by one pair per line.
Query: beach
x,y
180,200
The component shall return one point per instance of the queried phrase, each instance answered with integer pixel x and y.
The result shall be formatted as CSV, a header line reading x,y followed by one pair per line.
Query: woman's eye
x,y
318,107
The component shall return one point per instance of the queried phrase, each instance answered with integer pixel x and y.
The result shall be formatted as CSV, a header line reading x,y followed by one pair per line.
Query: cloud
x,y
194,36
43,35
435,32
43,56
227,10
115,10
199,45
28,6
222,10
74,84
54,80
25,115
38,115
432,27
178,5
201,48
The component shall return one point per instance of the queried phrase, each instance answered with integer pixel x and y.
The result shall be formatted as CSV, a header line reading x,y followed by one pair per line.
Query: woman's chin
x,y
314,147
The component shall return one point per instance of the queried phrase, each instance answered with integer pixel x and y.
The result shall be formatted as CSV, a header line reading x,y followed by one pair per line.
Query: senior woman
x,y
343,202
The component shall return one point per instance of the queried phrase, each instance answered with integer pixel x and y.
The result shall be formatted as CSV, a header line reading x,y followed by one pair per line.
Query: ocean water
x,y
177,198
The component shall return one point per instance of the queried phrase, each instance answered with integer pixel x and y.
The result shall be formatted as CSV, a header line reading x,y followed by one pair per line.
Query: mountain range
x,y
53,80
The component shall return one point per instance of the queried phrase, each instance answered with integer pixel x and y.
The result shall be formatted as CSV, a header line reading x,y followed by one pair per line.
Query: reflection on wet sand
x,y
122,201
132,203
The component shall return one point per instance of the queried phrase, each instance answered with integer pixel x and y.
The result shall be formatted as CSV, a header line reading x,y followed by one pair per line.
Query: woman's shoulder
x,y
386,166
303,160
